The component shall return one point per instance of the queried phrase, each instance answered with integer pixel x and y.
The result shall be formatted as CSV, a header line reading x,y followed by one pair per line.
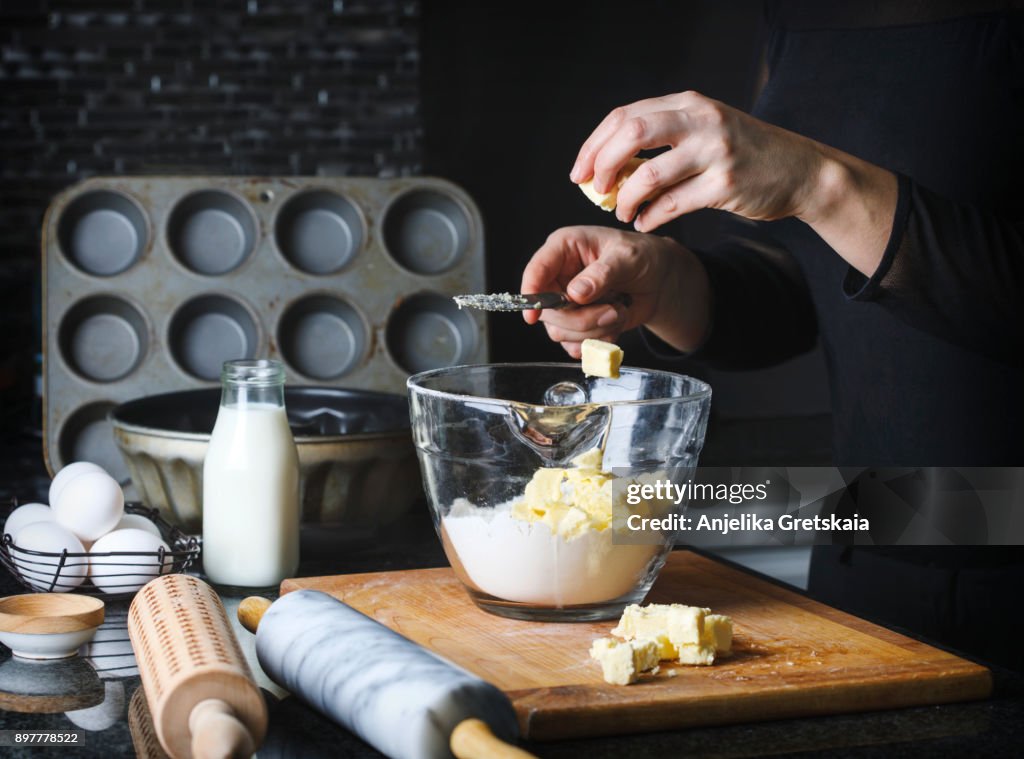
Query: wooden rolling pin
x,y
140,724
203,699
402,699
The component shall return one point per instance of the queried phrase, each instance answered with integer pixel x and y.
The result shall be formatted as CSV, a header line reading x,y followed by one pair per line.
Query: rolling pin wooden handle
x,y
251,611
217,733
473,739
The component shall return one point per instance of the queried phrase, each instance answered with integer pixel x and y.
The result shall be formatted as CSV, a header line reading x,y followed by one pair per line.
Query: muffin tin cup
x,y
103,233
151,283
319,231
212,232
426,231
428,331
209,330
103,338
322,337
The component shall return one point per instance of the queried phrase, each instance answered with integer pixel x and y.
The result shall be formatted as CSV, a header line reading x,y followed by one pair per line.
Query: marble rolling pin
x,y
203,700
402,699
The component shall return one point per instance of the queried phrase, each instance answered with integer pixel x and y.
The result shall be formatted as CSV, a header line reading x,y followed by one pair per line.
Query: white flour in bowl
x,y
523,561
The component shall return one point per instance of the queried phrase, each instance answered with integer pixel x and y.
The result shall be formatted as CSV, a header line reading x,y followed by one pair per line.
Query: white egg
x,y
90,505
68,473
40,571
138,522
126,573
26,515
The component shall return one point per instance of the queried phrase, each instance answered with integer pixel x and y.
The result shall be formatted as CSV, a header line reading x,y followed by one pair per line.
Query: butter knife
x,y
529,302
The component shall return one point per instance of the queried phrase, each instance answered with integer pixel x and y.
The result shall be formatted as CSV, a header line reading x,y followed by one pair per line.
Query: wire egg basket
x,y
122,572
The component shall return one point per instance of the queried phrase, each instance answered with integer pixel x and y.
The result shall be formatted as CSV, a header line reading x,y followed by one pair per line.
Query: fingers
x,y
587,322
583,169
648,130
587,263
553,265
688,122
559,335
570,326
611,273
700,191
654,177
541,275
573,349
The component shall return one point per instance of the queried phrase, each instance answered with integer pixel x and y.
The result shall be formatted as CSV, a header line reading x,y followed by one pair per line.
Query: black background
x,y
496,97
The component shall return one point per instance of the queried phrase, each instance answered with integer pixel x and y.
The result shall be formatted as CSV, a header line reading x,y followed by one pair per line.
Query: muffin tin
x,y
150,283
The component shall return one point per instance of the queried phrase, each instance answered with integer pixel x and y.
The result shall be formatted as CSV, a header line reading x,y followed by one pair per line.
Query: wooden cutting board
x,y
793,657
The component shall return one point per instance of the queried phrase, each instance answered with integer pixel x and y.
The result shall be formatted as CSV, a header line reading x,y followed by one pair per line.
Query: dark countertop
x,y
992,728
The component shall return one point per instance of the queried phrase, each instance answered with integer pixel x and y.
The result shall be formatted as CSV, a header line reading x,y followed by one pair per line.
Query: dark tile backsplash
x,y
488,95
93,87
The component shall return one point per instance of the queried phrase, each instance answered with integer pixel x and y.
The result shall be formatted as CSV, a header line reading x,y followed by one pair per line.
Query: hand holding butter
x,y
597,266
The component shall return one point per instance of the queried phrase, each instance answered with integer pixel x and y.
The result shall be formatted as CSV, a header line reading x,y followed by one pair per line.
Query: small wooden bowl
x,y
48,625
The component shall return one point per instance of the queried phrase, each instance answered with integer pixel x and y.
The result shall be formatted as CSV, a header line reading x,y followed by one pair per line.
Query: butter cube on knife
x,y
601,359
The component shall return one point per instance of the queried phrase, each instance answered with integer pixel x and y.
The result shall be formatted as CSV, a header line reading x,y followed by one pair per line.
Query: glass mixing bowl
x,y
543,546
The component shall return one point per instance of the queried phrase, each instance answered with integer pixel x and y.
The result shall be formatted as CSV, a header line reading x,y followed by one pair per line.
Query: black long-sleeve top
x,y
925,356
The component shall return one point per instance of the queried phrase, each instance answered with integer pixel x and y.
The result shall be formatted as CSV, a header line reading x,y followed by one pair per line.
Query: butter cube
x,y
545,486
601,359
570,502
718,633
589,460
691,654
528,512
687,634
665,648
574,523
608,200
682,625
623,661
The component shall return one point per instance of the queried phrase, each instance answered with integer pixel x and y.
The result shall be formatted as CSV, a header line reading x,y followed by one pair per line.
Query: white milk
x,y
251,498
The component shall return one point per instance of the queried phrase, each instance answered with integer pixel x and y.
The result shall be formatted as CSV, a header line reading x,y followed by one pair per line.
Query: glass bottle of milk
x,y
251,481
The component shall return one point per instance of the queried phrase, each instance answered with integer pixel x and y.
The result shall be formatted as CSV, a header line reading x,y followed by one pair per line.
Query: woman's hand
x,y
722,158
666,282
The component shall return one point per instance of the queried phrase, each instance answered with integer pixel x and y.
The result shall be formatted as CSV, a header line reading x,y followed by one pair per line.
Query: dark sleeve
x,y
955,271
761,308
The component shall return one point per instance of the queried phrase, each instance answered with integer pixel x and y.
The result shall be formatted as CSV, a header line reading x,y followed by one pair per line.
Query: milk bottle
x,y
251,481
